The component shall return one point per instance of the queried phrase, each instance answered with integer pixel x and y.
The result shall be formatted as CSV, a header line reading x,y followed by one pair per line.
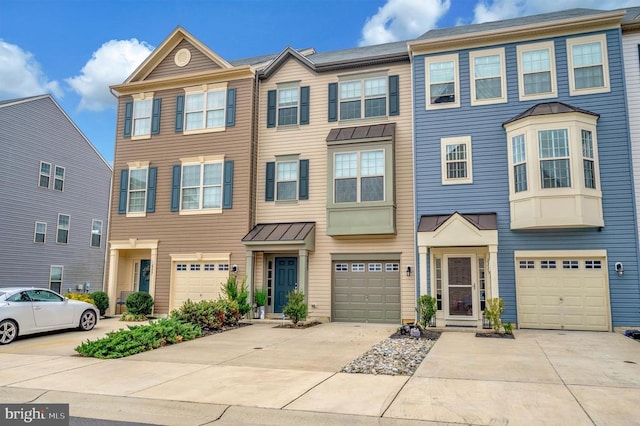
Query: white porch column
x,y
493,271
424,263
112,284
302,271
249,274
152,275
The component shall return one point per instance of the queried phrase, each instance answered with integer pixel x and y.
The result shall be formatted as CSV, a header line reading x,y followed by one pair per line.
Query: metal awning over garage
x,y
285,235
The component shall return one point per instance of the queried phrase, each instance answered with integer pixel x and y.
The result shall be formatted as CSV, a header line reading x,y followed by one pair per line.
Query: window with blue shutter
x,y
151,189
231,108
303,182
179,113
175,188
124,186
271,108
128,118
394,95
227,195
155,117
269,191
304,105
333,102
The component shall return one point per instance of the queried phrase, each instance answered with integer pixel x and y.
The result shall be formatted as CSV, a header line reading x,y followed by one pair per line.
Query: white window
x,y
587,61
45,175
142,109
359,176
223,267
570,264
442,86
288,105
519,151
593,264
588,160
201,186
527,264
341,267
357,267
547,264
62,231
96,233
40,232
374,267
488,77
287,180
55,278
537,71
181,267
58,182
554,159
205,110
456,160
365,97
137,192
194,267
392,267
209,266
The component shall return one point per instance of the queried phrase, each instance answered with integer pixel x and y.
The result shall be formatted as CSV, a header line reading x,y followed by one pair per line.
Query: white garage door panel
x,y
196,285
570,299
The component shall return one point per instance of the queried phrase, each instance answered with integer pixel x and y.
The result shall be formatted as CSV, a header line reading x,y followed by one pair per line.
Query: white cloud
x,y
21,75
403,20
495,10
111,64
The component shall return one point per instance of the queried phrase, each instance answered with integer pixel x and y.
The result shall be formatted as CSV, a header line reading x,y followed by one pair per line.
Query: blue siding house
x,y
523,173
54,199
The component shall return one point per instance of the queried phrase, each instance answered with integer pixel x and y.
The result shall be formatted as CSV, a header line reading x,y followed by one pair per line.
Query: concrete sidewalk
x,y
265,375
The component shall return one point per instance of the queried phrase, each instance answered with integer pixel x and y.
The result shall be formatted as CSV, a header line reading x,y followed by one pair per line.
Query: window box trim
x,y
456,81
571,42
549,45
503,76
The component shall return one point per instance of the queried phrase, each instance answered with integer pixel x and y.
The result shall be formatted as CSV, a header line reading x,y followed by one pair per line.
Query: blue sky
x,y
75,49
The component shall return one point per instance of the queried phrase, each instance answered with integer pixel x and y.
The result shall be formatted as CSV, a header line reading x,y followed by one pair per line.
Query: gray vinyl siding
x,y
489,191
30,132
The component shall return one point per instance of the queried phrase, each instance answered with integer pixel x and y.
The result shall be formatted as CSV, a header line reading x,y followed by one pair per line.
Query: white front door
x,y
460,292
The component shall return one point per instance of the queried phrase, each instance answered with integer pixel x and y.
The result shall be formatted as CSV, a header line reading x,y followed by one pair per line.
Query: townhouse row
x,y
490,160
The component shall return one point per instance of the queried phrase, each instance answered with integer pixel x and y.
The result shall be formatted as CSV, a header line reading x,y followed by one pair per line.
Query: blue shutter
x,y
175,189
227,193
128,116
303,184
231,107
151,189
271,108
124,186
271,180
155,117
179,112
304,105
394,95
333,101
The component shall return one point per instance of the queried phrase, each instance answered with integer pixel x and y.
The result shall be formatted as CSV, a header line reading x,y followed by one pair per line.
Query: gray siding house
x,y
54,199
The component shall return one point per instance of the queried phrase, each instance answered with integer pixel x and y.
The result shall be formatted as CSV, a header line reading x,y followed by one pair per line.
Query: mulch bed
x,y
496,335
300,325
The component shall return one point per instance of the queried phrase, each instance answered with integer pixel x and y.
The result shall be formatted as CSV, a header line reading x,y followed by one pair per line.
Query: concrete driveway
x,y
265,375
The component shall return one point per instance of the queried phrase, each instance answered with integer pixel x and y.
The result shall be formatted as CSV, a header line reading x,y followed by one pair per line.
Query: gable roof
x,y
631,19
548,108
482,221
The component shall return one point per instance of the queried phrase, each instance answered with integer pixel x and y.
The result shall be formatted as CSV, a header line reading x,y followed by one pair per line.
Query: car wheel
x,y
87,320
8,332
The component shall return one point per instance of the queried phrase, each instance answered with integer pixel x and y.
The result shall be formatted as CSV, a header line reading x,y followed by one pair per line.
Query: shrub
x,y
139,338
239,295
139,303
260,297
84,297
129,317
101,300
508,327
427,308
207,314
231,311
493,311
295,308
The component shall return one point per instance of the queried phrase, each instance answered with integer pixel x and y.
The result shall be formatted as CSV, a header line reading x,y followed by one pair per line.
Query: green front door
x,y
286,280
145,273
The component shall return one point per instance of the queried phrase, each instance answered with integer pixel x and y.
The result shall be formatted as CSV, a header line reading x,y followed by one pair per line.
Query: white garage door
x,y
567,293
197,281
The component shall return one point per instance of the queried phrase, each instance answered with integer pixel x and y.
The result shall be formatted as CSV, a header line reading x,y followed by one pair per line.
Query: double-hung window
x,y
488,77
359,176
58,181
287,180
137,193
205,110
96,233
142,117
365,97
519,152
201,186
537,71
55,278
588,160
40,232
45,175
288,106
553,150
442,86
62,231
588,70
456,160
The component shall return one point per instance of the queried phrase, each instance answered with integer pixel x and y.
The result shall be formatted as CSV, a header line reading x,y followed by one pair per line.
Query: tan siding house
x,y
182,175
334,191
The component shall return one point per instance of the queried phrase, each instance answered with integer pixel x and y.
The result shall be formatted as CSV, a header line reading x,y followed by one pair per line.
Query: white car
x,y
35,310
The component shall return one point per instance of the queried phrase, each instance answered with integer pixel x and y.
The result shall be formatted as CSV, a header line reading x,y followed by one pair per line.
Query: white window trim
x,y
55,178
202,161
148,96
40,174
283,160
93,221
503,76
571,42
552,63
61,275
287,86
456,75
35,232
68,229
205,89
458,140
138,166
359,177
362,78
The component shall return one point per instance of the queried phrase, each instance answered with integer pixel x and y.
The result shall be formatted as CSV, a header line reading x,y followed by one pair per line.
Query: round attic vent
x,y
182,58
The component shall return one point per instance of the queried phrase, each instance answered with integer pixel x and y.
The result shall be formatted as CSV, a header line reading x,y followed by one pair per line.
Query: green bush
x,y
139,303
207,314
427,308
508,327
139,338
260,297
231,311
295,308
493,311
101,300
129,317
239,295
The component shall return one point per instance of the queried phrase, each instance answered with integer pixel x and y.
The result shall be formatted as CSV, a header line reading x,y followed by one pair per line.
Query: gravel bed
x,y
393,357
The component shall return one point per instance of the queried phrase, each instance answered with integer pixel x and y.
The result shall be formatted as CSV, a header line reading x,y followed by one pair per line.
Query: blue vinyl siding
x,y
490,191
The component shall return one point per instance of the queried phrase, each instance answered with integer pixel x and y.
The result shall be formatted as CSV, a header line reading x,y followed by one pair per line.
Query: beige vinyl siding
x,y
630,42
187,233
309,141
199,62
